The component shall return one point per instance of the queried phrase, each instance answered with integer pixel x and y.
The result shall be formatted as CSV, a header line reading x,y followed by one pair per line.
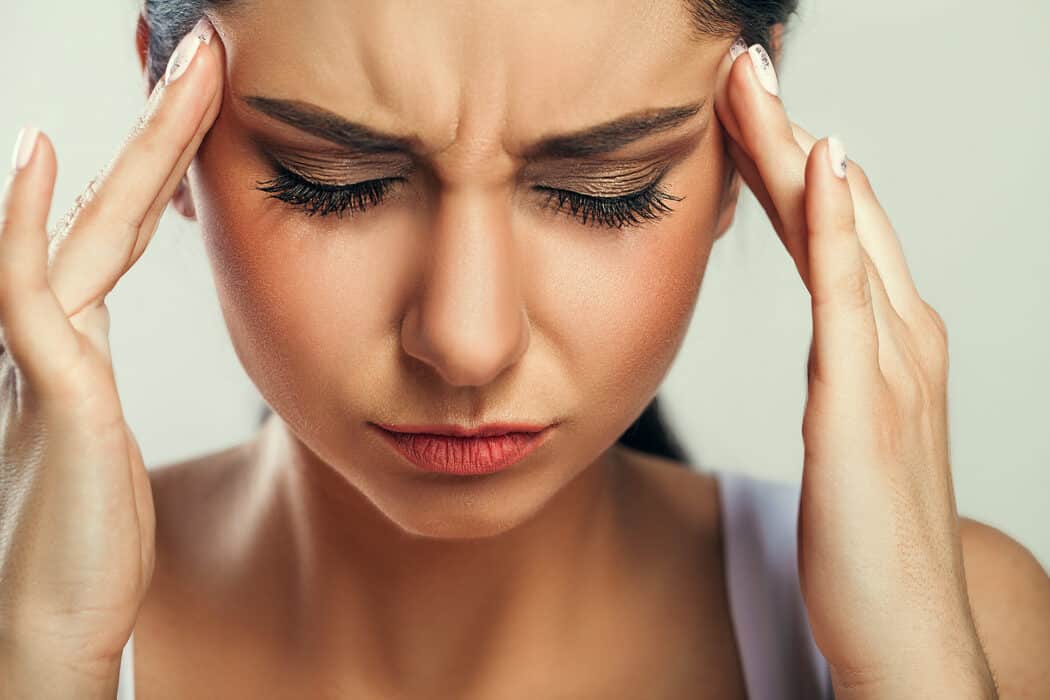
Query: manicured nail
x,y
27,138
837,156
202,32
767,75
739,46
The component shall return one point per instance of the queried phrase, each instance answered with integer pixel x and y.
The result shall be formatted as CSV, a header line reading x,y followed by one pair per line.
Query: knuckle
x,y
930,334
115,217
853,289
936,319
909,388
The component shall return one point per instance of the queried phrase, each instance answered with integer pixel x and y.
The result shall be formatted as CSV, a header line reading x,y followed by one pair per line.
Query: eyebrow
x,y
591,141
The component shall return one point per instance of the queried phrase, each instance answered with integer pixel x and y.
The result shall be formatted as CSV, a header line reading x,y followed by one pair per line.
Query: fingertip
x,y
739,75
722,108
760,116
27,201
829,204
33,154
827,162
734,87
45,162
37,182
214,54
837,156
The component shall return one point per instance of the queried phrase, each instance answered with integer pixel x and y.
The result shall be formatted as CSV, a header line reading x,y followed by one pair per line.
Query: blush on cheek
x,y
623,304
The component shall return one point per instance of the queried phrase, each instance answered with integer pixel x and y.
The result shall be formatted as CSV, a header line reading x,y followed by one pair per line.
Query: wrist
x,y
33,673
930,678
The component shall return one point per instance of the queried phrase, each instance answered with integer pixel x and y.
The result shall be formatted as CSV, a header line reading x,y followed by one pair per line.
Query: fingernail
x,y
202,32
24,145
767,75
739,46
837,156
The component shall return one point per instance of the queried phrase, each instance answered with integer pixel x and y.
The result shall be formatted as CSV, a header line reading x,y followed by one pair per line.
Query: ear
x,y
727,207
142,35
182,200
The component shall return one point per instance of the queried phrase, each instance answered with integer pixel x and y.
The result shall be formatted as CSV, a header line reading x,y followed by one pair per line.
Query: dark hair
x,y
164,22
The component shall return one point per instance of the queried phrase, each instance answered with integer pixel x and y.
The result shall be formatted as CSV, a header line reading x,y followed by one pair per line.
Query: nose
x,y
469,321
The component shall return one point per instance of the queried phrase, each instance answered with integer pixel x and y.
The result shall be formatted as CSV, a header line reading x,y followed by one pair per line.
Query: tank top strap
x,y
126,681
780,659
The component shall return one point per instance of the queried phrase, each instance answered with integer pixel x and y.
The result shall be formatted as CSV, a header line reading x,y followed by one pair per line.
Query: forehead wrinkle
x,y
474,71
588,142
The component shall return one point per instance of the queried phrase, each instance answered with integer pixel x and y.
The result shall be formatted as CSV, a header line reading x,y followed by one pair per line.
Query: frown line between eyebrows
x,y
603,138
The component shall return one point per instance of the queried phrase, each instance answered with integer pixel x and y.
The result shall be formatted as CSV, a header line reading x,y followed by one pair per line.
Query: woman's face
x,y
464,296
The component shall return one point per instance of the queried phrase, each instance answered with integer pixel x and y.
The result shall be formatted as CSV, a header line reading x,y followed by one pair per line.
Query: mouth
x,y
465,451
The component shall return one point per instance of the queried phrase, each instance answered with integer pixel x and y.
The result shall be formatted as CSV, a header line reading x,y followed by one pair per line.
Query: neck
x,y
425,609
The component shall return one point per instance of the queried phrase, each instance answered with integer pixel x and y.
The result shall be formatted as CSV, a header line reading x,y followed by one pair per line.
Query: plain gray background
x,y
946,106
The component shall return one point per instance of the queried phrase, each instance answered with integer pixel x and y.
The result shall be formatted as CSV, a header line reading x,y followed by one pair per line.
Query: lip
x,y
450,449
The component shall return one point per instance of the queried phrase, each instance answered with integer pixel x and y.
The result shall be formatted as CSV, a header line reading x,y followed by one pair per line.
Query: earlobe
x,y
182,200
727,211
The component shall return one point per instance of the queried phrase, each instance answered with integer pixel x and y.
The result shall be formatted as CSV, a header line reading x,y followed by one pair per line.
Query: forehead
x,y
481,69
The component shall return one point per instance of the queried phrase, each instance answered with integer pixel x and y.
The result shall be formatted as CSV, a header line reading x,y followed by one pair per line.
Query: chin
x,y
465,508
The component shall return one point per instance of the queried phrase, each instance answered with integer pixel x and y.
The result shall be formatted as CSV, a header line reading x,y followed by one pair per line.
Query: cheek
x,y
302,308
619,304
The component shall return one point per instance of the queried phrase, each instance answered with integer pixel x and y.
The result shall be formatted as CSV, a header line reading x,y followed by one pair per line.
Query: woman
x,y
434,219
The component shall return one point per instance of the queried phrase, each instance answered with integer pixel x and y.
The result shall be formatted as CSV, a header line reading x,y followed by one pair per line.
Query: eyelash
x,y
648,204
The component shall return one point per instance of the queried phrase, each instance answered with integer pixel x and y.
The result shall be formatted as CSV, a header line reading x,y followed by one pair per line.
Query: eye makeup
x,y
606,192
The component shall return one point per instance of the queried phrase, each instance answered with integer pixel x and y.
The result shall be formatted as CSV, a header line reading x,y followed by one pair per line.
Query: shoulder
x,y
196,503
193,483
1009,595
183,626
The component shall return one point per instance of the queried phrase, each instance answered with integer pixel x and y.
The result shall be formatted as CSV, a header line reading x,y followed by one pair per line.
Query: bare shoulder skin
x,y
225,612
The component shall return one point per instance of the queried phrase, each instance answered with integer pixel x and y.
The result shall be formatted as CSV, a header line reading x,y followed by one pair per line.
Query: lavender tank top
x,y
779,657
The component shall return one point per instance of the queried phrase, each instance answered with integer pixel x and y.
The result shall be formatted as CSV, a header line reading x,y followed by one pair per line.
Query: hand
x,y
76,507
880,556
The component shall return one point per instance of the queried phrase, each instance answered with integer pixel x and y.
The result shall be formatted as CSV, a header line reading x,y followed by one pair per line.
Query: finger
x,y
113,223
845,337
877,236
806,141
880,239
749,172
162,201
36,333
722,107
895,359
768,139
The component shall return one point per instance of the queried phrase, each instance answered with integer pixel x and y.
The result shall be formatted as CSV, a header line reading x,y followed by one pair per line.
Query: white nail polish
x,y
27,138
202,32
837,156
767,75
739,46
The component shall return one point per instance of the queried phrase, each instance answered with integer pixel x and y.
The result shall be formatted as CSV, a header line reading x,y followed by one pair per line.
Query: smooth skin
x,y
294,547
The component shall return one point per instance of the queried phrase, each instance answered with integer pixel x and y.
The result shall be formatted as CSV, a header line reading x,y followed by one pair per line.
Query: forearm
x,y
38,675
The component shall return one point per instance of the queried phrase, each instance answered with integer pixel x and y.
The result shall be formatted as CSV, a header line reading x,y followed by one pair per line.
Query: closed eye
x,y
314,198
